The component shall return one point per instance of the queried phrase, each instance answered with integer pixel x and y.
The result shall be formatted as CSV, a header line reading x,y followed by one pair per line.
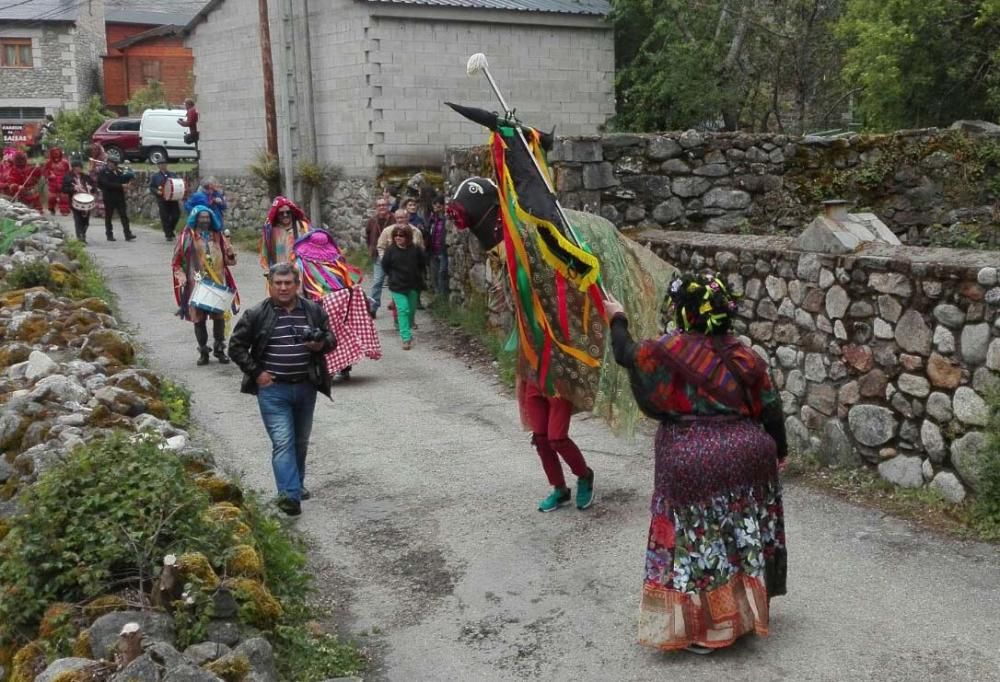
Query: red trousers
x,y
548,418
56,196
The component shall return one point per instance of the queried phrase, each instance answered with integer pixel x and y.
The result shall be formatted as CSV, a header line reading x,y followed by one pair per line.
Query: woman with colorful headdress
x,y
285,223
203,252
716,549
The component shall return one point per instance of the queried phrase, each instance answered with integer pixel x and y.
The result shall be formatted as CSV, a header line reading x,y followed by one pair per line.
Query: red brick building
x,y
145,46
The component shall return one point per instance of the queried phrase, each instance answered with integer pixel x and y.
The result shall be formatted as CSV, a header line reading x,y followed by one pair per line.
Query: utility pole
x,y
289,103
270,118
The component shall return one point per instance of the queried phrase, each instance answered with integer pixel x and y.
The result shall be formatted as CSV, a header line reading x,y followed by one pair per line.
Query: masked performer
x,y
202,251
330,280
22,180
75,182
716,546
285,223
54,169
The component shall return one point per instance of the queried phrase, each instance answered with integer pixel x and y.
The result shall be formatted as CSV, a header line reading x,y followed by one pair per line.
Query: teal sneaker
x,y
557,498
585,492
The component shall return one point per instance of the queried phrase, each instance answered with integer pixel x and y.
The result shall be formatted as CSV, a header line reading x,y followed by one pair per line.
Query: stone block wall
x,y
884,356
767,184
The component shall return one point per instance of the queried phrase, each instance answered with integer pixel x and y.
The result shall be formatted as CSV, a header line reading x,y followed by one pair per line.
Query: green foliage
x,y
74,128
921,63
716,63
986,510
267,168
192,615
177,398
34,273
306,657
152,96
314,176
89,281
101,521
10,232
359,258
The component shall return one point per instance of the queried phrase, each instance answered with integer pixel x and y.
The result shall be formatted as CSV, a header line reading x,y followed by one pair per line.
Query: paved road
x,y
427,537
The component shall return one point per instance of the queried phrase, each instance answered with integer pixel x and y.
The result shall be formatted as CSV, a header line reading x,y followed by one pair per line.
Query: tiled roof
x,y
132,16
39,10
589,7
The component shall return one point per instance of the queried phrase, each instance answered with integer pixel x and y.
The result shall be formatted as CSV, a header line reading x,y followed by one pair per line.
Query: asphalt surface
x,y
428,544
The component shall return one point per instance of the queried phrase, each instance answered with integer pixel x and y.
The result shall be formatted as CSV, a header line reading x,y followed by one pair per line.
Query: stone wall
x,y
764,183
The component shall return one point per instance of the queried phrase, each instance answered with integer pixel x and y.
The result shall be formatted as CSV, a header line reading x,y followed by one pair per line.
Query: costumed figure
x,y
330,280
98,157
54,169
202,256
211,196
716,545
285,223
554,261
22,181
76,183
6,164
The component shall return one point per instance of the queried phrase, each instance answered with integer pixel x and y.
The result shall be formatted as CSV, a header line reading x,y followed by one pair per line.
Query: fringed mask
x,y
699,303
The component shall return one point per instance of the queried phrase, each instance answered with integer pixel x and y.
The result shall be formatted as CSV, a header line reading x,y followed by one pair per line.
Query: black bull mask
x,y
475,206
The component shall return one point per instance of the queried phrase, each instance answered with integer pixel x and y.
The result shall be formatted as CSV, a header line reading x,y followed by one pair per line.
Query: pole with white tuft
x,y
478,64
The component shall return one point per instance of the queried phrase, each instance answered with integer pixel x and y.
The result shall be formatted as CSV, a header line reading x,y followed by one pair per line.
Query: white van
x,y
162,137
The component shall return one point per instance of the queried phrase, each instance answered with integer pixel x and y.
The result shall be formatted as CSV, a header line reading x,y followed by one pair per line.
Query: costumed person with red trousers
x,y
54,169
202,250
22,178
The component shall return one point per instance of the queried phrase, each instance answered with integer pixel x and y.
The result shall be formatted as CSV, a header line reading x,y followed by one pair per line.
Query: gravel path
x,y
428,544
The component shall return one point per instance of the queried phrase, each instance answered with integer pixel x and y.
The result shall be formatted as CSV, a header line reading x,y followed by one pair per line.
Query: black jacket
x,y
68,183
112,184
253,332
404,268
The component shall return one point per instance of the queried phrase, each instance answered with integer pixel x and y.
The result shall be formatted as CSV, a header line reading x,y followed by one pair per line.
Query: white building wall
x,y
229,85
560,76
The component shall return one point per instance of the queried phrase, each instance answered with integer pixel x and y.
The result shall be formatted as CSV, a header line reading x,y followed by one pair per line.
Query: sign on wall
x,y
19,134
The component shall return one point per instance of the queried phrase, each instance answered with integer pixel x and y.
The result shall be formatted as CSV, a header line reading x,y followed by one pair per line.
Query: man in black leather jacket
x,y
279,344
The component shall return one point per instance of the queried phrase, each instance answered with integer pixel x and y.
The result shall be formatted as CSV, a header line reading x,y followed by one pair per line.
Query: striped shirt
x,y
286,358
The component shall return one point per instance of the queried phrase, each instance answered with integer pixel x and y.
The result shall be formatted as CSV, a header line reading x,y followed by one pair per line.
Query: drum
x,y
173,189
211,297
84,202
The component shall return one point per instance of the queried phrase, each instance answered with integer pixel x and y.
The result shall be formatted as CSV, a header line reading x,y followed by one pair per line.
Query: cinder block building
x,y
50,56
381,71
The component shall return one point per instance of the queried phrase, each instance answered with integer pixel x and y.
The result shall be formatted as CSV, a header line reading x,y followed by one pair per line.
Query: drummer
x,y
203,252
170,209
77,182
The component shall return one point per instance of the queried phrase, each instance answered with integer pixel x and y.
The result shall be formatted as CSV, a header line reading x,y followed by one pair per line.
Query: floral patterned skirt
x,y
716,550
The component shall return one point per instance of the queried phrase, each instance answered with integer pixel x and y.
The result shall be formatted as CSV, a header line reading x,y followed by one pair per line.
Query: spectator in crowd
x,y
279,344
190,122
437,247
404,264
373,230
389,194
210,195
77,182
170,210
112,180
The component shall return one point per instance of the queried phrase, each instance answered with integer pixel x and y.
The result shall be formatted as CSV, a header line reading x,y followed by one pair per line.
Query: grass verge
x,y
472,318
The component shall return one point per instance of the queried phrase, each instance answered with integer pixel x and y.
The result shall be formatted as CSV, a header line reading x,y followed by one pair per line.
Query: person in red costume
x,y
54,169
21,181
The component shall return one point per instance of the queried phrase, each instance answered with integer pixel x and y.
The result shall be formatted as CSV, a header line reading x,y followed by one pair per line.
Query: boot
x,y
201,334
219,334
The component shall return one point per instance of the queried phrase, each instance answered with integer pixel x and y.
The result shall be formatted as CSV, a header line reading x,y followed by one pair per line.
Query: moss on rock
x,y
57,621
196,565
258,606
28,662
219,489
245,562
81,645
103,605
230,668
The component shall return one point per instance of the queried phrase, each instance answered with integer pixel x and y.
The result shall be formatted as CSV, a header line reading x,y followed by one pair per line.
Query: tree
x,y
74,128
150,97
919,63
754,64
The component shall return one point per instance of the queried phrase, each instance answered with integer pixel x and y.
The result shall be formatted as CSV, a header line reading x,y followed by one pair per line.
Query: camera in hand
x,y
308,334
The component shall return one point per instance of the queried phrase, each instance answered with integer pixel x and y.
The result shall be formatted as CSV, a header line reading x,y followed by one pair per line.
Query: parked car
x,y
120,138
162,137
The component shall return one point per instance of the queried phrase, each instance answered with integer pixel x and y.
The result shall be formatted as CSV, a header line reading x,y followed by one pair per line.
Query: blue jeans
x,y
287,411
439,272
378,281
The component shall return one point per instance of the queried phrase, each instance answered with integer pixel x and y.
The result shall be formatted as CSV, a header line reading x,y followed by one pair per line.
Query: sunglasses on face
x,y
284,213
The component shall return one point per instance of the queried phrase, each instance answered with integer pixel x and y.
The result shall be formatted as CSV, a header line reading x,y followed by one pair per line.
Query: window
x,y
129,124
150,71
22,113
15,52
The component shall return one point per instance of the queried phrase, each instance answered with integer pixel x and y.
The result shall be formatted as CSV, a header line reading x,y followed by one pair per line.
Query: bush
x,y
101,522
150,97
177,398
986,510
34,273
74,128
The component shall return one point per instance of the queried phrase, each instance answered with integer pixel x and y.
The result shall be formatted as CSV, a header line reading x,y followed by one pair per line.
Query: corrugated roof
x,y
133,16
39,10
588,7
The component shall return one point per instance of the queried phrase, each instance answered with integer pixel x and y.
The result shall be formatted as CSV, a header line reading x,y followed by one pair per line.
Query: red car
x,y
120,138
